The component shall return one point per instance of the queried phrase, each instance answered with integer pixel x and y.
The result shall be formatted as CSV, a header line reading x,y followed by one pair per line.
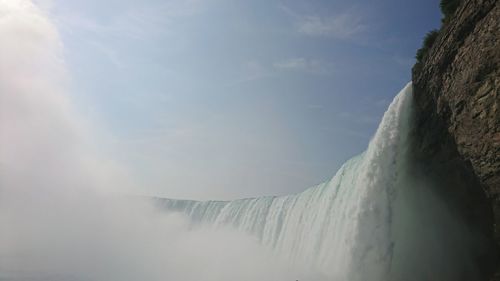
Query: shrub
x,y
448,7
429,39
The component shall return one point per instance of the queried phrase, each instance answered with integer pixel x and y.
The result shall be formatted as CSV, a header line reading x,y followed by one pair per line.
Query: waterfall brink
x,y
351,227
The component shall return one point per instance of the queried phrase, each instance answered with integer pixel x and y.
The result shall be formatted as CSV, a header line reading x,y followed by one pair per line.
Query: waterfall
x,y
379,218
342,227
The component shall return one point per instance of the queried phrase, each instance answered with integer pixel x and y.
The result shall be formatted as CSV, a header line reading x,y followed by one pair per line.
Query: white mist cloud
x,y
56,220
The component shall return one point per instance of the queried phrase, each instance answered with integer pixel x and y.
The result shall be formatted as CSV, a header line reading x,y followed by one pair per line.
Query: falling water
x,y
354,226
331,226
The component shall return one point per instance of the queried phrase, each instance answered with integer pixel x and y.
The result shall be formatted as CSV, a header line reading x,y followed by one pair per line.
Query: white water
x,y
341,227
377,219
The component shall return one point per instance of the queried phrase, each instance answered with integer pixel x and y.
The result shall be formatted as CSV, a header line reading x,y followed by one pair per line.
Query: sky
x,y
223,99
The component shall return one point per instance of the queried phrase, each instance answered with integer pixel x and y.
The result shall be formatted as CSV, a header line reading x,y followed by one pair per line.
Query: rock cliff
x,y
457,96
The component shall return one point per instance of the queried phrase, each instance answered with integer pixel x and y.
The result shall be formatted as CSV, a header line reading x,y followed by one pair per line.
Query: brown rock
x,y
457,95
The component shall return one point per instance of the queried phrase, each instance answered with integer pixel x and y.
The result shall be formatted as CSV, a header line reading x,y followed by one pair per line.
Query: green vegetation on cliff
x,y
429,39
448,8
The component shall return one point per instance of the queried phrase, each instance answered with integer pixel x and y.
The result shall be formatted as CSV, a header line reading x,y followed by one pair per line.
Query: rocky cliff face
x,y
457,92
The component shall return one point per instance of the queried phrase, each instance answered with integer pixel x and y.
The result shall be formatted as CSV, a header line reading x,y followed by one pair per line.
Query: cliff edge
x,y
456,91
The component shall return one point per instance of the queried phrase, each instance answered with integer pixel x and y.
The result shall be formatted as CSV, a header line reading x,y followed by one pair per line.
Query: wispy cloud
x,y
111,54
341,26
254,70
133,21
292,64
110,36
303,65
250,71
315,106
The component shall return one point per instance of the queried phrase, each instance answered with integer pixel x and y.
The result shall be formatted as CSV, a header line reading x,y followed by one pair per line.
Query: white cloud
x,y
303,65
292,64
128,22
132,20
341,26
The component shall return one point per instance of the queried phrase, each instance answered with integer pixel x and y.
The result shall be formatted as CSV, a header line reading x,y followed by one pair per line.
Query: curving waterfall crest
x,y
377,219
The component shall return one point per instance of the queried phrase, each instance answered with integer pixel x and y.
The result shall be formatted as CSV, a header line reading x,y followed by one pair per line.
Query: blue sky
x,y
222,99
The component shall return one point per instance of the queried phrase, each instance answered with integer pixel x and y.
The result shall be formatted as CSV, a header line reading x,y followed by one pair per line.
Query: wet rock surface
x,y
456,91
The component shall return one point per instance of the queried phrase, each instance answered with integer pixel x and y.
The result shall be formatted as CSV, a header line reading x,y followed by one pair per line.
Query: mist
x,y
61,213
66,211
